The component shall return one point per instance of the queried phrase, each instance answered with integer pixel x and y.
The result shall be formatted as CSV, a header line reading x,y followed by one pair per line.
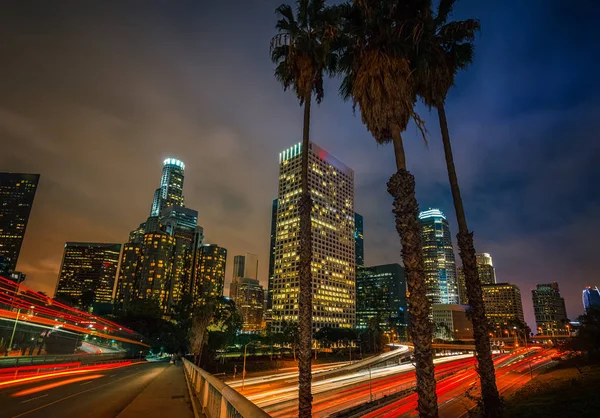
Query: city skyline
x,y
228,121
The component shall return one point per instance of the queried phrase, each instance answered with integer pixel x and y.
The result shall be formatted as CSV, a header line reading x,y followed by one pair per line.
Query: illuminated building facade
x,y
485,270
333,263
272,253
16,199
249,297
161,256
591,297
451,322
88,267
210,271
381,294
170,192
359,240
438,258
503,305
549,308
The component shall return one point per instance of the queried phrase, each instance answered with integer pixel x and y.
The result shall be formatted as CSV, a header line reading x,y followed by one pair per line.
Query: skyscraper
x,y
591,297
170,192
438,258
381,293
16,199
485,270
160,258
272,253
359,243
333,263
245,266
88,271
549,308
210,271
451,322
503,305
249,297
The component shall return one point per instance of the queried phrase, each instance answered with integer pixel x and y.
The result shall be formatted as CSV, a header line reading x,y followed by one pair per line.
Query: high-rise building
x,y
16,199
160,258
88,267
249,297
503,306
549,308
272,253
591,297
381,294
210,271
438,258
451,322
170,192
359,240
333,263
485,270
245,266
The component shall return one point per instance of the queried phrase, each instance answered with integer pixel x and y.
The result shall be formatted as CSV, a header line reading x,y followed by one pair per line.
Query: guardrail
x,y
217,399
12,361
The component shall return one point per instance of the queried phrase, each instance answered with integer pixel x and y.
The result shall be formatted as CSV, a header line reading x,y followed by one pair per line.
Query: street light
x,y
13,333
244,369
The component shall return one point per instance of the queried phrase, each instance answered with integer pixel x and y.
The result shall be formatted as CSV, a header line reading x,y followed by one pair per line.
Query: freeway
x,y
93,392
512,372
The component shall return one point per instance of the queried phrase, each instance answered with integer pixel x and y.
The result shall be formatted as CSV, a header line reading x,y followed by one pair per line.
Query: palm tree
x,y
377,38
302,53
443,49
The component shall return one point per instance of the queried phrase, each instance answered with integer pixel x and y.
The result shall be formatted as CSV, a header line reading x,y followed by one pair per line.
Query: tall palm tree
x,y
443,49
376,39
302,53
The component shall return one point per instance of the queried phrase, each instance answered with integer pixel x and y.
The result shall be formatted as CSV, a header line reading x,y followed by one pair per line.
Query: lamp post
x,y
13,333
244,369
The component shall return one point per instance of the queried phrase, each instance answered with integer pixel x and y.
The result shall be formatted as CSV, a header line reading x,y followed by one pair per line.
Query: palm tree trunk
x,y
402,188
305,278
492,403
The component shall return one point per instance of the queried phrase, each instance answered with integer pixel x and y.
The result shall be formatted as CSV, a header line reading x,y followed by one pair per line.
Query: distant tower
x,y
591,297
549,308
272,253
485,270
16,199
359,241
91,267
333,245
170,192
438,257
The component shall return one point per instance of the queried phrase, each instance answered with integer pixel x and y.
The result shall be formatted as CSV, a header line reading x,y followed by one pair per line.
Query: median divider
x,y
215,398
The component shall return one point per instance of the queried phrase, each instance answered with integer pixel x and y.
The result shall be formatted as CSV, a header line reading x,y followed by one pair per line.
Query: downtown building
x,y
87,273
451,322
438,258
485,270
162,256
503,306
17,192
331,185
590,298
381,294
247,293
359,240
549,309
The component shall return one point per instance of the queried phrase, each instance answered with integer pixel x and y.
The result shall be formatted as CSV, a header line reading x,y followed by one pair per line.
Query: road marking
x,y
87,383
33,399
73,395
112,375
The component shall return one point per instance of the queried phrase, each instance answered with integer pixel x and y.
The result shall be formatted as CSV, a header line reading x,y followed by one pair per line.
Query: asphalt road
x,y
97,394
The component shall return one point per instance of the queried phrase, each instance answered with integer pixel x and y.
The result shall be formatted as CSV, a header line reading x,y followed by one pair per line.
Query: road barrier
x,y
17,361
217,399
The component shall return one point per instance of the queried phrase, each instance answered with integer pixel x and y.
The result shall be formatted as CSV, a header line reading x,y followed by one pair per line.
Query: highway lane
x,y
100,393
511,373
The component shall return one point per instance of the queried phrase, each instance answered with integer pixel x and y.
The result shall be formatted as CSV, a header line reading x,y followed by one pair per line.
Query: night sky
x,y
95,94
